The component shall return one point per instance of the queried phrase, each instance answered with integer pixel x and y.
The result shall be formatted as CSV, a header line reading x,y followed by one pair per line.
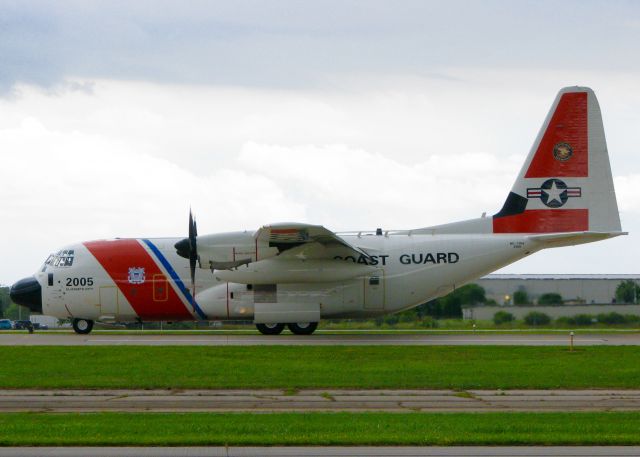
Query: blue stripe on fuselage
x,y
176,279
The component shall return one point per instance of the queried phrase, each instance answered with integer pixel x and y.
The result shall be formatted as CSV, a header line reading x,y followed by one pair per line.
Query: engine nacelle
x,y
228,250
217,302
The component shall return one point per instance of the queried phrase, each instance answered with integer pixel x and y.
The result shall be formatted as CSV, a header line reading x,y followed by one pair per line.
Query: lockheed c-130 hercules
x,y
294,274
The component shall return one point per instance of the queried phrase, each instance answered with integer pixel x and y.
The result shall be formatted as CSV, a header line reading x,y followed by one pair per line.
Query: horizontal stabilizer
x,y
553,240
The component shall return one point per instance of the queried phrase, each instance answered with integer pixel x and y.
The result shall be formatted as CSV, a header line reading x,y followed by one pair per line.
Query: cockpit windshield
x,y
61,258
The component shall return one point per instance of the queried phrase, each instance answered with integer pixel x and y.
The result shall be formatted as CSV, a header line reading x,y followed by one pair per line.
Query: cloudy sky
x,y
116,117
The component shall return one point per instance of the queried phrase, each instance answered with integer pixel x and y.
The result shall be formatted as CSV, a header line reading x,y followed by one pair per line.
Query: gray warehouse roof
x,y
619,277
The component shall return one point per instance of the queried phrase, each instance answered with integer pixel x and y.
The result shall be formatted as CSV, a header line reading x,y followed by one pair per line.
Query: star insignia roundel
x,y
554,192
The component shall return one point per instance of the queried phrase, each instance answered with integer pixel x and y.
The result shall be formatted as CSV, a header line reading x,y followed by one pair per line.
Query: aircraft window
x,y
374,281
61,258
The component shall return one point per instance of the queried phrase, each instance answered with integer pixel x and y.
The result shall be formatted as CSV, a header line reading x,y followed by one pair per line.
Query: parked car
x,y
22,325
5,324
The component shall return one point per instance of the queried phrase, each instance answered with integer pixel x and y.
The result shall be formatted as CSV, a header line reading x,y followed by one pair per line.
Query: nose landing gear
x,y
82,326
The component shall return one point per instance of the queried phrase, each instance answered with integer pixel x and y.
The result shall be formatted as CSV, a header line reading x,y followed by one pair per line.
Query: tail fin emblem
x,y
562,152
554,192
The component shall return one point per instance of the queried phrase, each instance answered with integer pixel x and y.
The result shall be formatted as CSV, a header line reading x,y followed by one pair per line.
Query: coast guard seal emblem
x,y
136,275
562,152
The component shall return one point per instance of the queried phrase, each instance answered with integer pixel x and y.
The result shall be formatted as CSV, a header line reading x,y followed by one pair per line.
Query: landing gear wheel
x,y
270,329
82,326
303,328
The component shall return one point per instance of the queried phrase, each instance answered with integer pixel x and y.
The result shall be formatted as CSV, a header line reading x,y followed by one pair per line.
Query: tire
x,y
303,328
82,326
270,329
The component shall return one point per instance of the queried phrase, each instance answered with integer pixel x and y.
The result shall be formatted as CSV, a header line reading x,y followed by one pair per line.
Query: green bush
x,y
392,320
566,320
551,298
408,316
583,319
429,322
450,306
612,318
627,292
502,317
520,297
537,318
631,318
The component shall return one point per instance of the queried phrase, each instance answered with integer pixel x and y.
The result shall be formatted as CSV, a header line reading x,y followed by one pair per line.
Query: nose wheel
x,y
82,326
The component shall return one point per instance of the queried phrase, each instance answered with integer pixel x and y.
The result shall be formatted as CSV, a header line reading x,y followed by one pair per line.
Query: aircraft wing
x,y
293,234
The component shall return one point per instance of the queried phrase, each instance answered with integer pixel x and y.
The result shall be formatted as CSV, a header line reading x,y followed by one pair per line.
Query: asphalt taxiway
x,y
334,451
320,339
274,400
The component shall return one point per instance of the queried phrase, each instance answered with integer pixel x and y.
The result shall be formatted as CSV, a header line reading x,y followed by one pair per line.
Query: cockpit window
x,y
61,258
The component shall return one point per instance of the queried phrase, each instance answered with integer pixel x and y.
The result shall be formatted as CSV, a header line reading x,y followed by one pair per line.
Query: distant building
x,y
574,288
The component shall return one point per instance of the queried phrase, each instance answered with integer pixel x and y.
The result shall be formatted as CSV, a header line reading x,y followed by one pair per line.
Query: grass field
x,y
290,367
41,429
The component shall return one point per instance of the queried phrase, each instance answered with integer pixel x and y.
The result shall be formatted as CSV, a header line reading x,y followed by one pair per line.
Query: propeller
x,y
188,248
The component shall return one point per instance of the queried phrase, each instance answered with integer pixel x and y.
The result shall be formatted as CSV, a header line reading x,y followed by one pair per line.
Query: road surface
x,y
477,339
318,400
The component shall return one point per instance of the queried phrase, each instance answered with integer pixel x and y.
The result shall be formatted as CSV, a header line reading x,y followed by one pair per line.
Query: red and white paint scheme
x,y
294,274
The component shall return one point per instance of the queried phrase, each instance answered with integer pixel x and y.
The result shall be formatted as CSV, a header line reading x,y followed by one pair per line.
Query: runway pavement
x,y
318,400
321,339
456,451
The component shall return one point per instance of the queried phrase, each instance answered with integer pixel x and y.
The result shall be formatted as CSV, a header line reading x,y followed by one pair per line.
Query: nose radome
x,y
27,292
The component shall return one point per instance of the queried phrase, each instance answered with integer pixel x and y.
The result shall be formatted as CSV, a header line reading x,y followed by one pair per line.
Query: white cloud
x,y
105,158
628,192
343,187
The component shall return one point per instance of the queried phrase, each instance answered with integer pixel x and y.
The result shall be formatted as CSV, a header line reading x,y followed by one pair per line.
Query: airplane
x,y
294,274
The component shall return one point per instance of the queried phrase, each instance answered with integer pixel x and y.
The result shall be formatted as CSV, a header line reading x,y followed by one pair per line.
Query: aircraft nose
x,y
27,292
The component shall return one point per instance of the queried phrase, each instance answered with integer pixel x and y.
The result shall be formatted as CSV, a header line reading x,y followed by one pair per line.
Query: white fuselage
x,y
144,279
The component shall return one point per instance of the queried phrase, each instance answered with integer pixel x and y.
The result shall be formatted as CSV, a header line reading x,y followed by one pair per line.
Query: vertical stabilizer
x,y
565,184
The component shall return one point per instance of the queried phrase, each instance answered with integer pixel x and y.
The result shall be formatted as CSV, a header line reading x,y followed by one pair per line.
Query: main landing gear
x,y
299,328
303,328
82,326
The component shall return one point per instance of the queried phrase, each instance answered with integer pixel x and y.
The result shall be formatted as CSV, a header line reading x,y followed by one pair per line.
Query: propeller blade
x,y
192,266
193,250
191,234
188,248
